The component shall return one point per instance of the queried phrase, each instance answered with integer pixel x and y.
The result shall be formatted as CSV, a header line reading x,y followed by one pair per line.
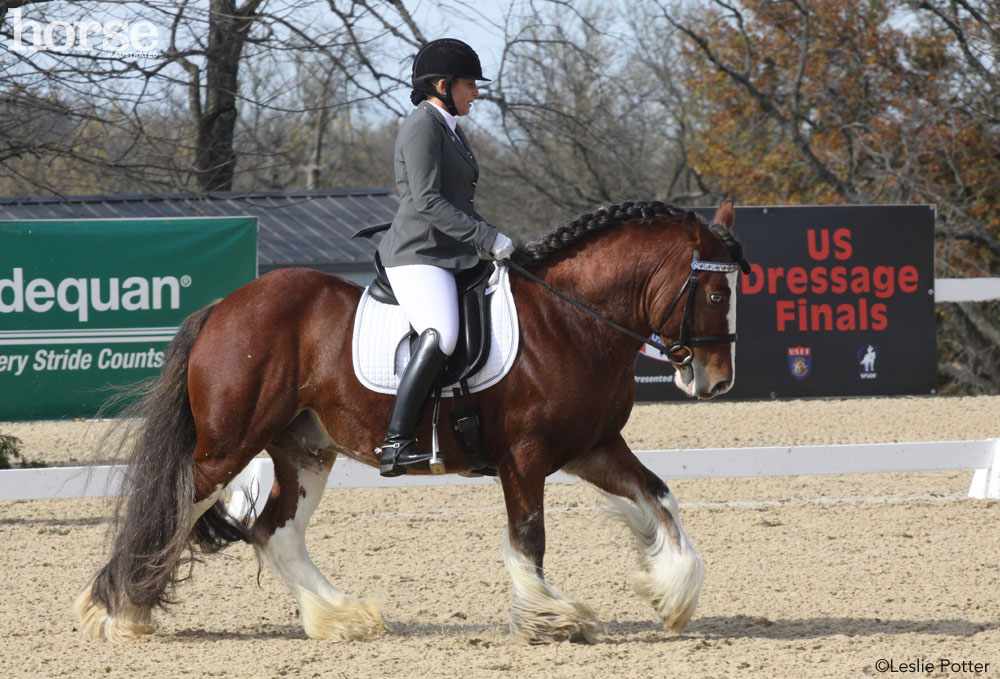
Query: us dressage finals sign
x,y
86,305
839,302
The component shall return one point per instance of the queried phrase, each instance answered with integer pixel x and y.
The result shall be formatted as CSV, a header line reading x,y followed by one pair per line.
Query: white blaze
x,y
734,279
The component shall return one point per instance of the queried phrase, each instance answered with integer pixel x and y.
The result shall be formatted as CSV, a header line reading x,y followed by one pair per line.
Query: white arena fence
x,y
966,289
983,456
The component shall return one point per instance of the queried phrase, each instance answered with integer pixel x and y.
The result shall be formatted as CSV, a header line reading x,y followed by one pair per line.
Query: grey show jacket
x,y
436,176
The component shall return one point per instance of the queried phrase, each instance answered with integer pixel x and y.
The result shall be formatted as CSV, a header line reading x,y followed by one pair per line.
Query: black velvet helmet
x,y
444,58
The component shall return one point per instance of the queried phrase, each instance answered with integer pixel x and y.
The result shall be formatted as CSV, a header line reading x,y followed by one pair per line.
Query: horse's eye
x,y
716,298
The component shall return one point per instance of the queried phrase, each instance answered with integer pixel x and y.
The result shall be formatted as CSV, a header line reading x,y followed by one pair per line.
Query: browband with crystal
x,y
719,267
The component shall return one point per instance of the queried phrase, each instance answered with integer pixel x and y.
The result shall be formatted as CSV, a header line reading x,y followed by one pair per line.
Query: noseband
x,y
682,347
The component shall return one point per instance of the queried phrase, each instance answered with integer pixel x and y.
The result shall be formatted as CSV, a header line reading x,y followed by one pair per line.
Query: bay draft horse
x,y
269,368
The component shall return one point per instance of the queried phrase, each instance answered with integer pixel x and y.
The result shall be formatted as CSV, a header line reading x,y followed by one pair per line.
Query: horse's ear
x,y
725,215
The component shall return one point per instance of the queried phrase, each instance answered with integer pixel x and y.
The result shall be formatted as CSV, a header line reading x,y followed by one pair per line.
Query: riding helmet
x,y
444,58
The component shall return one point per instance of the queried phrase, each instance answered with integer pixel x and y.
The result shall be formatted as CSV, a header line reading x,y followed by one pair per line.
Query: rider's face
x,y
463,92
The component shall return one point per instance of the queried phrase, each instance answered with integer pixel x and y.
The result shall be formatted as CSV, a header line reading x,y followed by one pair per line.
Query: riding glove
x,y
503,247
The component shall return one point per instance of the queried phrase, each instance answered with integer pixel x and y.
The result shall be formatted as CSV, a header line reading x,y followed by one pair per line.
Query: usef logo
x,y
799,361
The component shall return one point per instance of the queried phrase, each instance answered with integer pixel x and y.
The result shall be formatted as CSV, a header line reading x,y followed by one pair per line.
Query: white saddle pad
x,y
381,351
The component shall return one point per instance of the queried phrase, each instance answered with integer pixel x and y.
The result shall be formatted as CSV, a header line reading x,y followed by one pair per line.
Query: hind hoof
x,y
98,623
349,620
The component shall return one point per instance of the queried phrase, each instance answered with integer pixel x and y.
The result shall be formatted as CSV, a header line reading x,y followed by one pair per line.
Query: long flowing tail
x,y
154,524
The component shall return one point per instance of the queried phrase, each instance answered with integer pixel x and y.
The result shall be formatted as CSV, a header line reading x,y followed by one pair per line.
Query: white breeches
x,y
429,298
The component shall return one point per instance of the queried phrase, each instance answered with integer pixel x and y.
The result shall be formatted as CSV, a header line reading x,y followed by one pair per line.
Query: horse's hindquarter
x,y
273,347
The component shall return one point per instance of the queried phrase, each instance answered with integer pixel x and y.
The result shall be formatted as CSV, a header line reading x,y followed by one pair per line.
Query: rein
x,y
684,343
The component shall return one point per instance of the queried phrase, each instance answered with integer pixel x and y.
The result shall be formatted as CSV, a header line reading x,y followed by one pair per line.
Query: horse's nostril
x,y
721,387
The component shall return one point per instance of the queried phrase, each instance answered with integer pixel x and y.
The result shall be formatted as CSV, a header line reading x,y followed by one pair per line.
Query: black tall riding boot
x,y
400,448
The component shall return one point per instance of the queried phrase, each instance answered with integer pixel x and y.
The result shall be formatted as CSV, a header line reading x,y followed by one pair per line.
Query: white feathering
x,y
538,612
669,577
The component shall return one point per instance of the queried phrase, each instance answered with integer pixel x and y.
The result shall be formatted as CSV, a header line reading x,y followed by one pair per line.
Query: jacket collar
x,y
456,137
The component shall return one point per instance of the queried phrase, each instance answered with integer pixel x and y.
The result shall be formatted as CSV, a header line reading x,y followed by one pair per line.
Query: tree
x,y
578,122
172,118
313,136
973,25
843,102
11,456
215,112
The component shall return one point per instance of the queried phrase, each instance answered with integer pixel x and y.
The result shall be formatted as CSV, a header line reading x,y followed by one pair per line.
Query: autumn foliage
x,y
848,101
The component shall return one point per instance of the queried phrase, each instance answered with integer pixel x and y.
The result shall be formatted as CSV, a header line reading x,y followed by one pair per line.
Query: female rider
x,y
436,231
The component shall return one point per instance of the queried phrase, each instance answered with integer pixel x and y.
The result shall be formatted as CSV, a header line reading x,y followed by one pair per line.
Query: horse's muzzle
x,y
720,387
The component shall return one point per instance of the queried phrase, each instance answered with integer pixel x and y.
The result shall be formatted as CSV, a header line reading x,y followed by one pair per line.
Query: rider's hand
x,y
503,247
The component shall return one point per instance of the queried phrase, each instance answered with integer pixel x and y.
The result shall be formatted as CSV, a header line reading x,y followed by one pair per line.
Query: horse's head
x,y
695,309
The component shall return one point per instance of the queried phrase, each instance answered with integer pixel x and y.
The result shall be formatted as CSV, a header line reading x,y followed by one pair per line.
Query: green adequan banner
x,y
88,305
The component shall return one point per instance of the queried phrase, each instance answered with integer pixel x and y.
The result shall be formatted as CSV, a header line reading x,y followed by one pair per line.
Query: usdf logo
x,y
867,356
121,37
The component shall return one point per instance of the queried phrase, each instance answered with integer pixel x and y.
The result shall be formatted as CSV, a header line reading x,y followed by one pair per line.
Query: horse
x,y
269,368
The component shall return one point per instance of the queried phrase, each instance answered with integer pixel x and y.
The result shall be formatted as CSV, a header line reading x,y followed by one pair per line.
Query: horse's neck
x,y
605,281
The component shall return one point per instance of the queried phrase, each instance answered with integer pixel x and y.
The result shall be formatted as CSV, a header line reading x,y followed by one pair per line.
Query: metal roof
x,y
297,228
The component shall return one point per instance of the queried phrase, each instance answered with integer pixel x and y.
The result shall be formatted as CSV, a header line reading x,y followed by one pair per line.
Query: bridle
x,y
684,343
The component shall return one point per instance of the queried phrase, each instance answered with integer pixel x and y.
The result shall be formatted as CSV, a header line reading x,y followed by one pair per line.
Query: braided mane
x,y
608,216
728,239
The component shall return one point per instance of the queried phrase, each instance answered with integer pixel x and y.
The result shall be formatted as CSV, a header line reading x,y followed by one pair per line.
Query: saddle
x,y
473,318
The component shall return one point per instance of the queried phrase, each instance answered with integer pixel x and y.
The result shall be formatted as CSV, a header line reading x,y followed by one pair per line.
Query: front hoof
x,y
672,587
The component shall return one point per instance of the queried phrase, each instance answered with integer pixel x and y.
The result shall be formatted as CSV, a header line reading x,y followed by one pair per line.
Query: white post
x,y
257,475
986,482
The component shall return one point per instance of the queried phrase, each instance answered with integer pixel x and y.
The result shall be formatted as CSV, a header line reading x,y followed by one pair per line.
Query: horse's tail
x,y
154,523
